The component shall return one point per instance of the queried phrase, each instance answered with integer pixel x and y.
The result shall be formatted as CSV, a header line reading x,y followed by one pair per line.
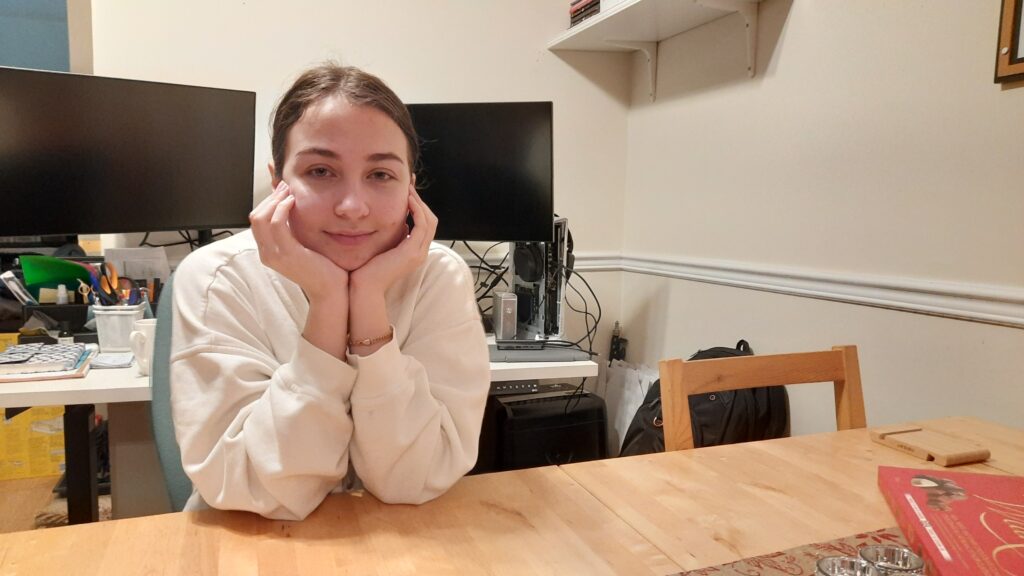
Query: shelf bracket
x,y
650,50
748,10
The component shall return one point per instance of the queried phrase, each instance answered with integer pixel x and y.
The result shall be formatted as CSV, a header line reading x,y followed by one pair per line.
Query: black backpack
x,y
717,418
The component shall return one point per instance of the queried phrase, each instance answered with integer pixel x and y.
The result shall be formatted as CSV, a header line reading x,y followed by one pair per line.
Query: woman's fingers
x,y
425,221
265,208
279,230
270,227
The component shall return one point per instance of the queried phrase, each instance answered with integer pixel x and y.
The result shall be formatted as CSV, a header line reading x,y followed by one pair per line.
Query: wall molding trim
x,y
1002,305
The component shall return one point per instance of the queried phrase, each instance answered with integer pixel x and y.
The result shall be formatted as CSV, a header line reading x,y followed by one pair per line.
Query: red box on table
x,y
962,523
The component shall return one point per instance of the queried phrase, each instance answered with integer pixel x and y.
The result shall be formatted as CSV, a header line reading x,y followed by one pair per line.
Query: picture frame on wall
x,y
1010,51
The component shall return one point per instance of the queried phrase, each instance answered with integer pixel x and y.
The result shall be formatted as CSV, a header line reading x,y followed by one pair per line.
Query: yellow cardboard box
x,y
32,443
8,339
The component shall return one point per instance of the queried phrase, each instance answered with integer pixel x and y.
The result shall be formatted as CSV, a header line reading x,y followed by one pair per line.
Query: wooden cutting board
x,y
930,445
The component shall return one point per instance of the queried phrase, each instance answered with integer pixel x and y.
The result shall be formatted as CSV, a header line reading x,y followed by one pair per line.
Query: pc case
x,y
538,281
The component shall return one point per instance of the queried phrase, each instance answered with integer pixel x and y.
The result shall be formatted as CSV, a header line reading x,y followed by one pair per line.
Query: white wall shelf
x,y
641,24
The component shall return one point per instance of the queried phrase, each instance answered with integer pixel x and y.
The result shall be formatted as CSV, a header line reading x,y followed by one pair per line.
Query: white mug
x,y
141,339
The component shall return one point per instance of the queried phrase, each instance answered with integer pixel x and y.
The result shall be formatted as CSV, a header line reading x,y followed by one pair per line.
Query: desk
x,y
535,521
507,371
114,387
715,505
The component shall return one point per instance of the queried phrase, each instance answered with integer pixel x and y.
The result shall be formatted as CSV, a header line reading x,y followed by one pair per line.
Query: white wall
x,y
428,51
872,143
872,140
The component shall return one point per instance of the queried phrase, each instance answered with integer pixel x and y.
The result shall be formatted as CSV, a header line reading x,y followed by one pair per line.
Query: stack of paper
x,y
113,360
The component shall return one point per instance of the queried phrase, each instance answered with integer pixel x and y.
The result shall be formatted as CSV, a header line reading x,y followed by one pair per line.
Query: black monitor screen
x,y
85,155
486,169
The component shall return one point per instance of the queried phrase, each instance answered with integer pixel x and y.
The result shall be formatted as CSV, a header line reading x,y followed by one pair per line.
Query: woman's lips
x,y
350,238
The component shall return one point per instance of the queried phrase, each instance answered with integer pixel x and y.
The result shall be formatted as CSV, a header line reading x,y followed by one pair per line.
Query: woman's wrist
x,y
369,325
327,326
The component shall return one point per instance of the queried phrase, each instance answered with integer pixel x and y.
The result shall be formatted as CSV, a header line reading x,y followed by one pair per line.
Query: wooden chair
x,y
681,379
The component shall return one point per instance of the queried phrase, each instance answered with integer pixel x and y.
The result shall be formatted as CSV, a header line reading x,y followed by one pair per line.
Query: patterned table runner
x,y
800,561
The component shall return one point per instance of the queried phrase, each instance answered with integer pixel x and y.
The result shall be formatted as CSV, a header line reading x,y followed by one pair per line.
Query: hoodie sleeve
x,y
256,432
418,405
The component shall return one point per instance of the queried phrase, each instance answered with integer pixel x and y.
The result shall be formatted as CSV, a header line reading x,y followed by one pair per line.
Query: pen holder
x,y
114,326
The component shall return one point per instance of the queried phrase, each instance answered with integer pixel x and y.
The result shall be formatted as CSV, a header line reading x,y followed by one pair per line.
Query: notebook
x,y
38,357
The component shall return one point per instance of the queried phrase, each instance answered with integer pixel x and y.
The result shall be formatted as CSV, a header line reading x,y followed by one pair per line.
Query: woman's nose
x,y
351,203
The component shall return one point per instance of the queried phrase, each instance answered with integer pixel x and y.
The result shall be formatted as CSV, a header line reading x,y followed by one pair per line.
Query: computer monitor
x,y
84,154
486,169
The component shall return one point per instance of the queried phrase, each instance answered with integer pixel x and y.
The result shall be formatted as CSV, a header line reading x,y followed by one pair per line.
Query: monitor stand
x,y
205,236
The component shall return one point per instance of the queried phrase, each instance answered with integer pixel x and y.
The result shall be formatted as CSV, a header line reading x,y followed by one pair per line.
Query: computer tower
x,y
538,281
524,431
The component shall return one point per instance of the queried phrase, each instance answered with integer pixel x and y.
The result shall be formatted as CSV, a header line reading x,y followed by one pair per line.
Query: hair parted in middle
x,y
358,87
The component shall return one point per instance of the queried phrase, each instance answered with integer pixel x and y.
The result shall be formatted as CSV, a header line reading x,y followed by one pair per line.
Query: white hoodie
x,y
269,423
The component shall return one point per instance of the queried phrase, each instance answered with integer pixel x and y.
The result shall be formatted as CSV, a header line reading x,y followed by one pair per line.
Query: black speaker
x,y
523,432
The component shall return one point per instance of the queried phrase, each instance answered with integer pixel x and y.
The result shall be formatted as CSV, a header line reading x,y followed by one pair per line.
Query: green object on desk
x,y
48,272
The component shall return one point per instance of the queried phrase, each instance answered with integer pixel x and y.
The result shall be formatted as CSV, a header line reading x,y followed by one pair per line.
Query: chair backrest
x,y
179,487
681,379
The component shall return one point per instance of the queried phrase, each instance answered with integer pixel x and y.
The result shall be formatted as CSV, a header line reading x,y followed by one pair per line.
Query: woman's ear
x,y
274,180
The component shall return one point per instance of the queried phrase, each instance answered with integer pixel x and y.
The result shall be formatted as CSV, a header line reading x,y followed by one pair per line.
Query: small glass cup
x,y
844,566
892,560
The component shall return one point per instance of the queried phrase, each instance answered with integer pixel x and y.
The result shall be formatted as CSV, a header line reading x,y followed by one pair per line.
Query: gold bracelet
x,y
371,341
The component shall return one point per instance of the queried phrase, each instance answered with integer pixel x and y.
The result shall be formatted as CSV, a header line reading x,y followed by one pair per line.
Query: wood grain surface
x,y
536,521
652,514
721,504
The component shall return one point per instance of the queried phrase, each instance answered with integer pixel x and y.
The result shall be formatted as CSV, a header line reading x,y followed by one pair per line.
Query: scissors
x,y
109,284
128,291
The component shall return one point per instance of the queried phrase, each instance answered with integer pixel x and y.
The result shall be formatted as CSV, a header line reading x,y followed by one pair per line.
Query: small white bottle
x,y
62,294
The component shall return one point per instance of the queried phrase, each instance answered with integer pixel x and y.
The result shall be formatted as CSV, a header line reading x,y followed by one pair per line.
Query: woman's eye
x,y
381,176
319,172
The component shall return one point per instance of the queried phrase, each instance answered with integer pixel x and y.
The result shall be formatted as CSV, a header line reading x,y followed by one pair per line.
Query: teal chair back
x,y
179,487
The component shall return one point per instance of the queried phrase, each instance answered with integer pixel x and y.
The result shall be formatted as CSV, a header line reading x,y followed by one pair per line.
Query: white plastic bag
x,y
623,388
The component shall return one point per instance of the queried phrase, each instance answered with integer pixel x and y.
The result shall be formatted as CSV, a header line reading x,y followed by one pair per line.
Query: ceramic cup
x,y
141,339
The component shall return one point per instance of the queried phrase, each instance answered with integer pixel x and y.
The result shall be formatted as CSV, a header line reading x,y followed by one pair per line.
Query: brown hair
x,y
329,79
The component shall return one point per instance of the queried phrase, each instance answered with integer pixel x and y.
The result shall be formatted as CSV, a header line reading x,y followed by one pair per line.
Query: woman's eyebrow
x,y
383,156
317,152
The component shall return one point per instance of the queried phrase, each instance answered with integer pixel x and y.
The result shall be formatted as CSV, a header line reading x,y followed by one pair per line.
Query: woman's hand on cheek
x,y
384,269
279,250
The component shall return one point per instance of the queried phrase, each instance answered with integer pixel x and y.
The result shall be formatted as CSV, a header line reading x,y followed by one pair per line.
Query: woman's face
x,y
348,168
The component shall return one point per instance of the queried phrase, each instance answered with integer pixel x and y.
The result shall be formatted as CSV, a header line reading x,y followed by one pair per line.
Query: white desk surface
x,y
105,386
505,371
100,386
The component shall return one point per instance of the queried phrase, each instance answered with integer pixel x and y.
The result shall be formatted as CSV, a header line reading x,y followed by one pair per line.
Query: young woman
x,y
330,347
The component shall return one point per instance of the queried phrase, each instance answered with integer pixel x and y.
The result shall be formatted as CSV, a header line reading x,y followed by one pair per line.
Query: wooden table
x,y
135,469
535,521
716,505
655,514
